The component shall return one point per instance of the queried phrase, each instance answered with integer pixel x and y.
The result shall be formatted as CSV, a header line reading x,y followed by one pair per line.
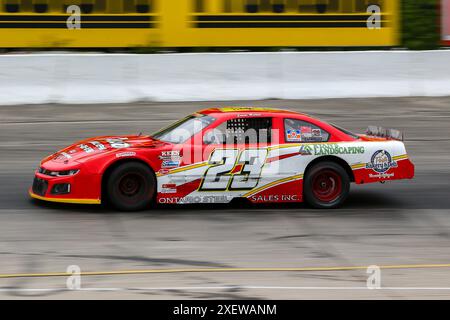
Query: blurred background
x,y
107,67
212,25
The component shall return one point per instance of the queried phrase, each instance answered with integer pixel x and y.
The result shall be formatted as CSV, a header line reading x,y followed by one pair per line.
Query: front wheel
x,y
326,185
131,187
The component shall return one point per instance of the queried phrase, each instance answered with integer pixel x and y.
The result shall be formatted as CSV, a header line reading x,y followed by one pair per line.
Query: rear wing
x,y
381,132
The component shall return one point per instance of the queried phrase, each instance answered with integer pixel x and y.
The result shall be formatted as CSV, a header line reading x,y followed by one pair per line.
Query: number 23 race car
x,y
222,154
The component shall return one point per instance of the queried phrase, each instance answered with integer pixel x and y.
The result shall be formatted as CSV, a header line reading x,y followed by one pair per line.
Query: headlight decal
x,y
64,173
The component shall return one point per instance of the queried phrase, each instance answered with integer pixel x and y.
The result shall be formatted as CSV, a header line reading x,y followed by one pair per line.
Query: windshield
x,y
184,129
349,133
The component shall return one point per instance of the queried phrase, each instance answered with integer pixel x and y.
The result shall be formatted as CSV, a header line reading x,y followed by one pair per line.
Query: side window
x,y
302,131
241,131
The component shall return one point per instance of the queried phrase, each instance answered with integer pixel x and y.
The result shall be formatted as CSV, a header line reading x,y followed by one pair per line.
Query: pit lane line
x,y
218,270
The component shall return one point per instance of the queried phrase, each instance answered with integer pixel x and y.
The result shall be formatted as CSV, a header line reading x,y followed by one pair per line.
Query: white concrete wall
x,y
117,78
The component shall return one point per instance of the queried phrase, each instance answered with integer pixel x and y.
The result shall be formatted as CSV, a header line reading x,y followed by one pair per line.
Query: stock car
x,y
219,155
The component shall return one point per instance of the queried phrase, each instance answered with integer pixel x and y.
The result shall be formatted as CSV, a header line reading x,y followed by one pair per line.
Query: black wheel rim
x,y
130,184
132,187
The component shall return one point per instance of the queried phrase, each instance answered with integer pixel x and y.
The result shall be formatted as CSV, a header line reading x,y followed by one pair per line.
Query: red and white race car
x,y
222,154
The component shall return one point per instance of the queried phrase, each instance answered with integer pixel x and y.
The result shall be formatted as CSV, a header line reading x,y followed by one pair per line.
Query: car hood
x,y
93,147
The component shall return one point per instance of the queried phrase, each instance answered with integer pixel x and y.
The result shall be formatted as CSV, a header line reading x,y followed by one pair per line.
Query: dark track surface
x,y
405,222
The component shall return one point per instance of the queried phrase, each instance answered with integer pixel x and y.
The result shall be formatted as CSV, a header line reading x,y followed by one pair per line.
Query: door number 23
x,y
231,169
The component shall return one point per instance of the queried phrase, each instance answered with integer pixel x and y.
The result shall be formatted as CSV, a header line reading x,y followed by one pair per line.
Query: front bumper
x,y
64,200
83,188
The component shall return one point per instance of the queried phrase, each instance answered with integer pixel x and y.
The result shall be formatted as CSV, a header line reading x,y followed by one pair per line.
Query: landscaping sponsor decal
x,y
335,149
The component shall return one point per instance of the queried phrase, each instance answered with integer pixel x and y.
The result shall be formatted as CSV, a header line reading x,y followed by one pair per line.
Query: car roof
x,y
246,110
227,112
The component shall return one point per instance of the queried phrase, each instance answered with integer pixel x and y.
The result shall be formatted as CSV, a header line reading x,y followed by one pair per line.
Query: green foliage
x,y
420,24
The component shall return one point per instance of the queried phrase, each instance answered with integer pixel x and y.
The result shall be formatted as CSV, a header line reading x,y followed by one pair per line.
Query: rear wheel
x,y
131,187
326,185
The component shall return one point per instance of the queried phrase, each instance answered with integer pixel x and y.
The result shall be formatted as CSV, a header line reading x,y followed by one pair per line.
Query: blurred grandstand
x,y
202,23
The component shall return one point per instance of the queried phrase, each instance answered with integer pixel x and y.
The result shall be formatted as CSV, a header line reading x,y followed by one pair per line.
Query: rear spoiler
x,y
381,132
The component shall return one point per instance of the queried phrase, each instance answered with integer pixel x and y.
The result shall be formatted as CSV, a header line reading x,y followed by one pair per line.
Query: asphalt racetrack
x,y
277,252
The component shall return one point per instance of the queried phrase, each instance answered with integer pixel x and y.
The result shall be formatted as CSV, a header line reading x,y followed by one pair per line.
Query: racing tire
x,y
326,185
131,187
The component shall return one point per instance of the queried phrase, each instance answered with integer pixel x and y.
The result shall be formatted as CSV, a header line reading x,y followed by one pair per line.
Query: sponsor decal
x,y
163,171
306,132
249,115
332,149
294,135
170,155
382,175
118,143
125,154
170,164
86,148
317,133
98,145
305,150
268,198
274,198
115,143
381,162
194,199
62,156
169,188
170,159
